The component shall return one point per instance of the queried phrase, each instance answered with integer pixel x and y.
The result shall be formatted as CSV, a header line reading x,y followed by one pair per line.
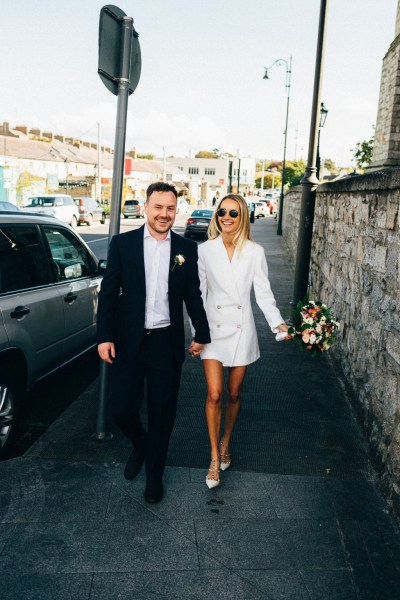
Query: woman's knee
x,y
234,396
214,397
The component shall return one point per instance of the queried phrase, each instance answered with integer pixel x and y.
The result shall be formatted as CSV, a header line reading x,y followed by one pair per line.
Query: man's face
x,y
160,209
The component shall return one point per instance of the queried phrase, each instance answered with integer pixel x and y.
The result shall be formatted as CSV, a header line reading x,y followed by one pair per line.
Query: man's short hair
x,y
160,186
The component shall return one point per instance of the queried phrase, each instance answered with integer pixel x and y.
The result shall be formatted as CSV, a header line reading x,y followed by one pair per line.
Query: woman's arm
x,y
264,296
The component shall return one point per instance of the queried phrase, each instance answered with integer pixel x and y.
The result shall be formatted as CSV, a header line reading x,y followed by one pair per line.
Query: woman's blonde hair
x,y
243,232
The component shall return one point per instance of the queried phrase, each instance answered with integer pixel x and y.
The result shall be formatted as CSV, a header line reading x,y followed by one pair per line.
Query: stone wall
x,y
355,266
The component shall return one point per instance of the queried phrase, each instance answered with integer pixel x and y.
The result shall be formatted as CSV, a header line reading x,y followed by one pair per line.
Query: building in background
x,y
37,162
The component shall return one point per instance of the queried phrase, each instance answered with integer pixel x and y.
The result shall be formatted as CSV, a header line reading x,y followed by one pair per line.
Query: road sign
x,y
111,50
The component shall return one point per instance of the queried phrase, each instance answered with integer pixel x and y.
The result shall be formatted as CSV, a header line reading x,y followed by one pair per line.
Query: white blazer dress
x,y
225,288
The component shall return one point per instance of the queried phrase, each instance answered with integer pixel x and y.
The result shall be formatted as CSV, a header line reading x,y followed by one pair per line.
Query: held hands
x,y
282,328
195,349
106,351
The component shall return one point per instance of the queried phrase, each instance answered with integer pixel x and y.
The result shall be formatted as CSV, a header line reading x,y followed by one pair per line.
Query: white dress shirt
x,y
157,255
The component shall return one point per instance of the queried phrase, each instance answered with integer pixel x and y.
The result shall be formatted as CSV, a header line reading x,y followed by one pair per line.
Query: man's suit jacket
x,y
121,316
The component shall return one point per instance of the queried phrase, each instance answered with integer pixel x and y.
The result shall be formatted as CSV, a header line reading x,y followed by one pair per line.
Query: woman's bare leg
x,y
233,402
214,374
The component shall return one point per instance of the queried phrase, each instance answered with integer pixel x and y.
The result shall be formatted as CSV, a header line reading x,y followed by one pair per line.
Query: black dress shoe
x,y
154,491
134,463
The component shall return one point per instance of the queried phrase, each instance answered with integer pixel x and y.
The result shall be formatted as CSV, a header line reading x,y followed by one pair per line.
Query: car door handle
x,y
70,297
20,312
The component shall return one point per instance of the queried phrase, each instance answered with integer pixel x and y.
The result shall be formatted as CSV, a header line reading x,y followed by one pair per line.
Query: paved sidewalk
x,y
298,516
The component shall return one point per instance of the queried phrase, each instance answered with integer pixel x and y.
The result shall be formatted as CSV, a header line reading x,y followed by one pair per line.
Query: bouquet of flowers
x,y
314,328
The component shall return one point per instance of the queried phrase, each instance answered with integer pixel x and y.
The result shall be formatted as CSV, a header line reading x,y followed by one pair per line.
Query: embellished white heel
x,y
212,479
224,456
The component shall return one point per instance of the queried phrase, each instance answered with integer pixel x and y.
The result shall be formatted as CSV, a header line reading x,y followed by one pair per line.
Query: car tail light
x,y
191,221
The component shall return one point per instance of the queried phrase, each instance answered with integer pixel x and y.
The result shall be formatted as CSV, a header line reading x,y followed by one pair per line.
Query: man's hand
x,y
195,348
106,351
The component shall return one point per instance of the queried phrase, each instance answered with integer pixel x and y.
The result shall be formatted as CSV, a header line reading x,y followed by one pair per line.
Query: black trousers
x,y
156,365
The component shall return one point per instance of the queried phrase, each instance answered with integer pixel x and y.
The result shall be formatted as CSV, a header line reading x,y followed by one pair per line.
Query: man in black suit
x,y
150,273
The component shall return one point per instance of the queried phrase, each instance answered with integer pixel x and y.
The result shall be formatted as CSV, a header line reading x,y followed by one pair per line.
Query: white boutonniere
x,y
178,260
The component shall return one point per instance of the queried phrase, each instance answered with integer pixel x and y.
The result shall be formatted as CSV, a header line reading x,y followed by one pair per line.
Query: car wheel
x,y
89,220
9,399
74,222
103,218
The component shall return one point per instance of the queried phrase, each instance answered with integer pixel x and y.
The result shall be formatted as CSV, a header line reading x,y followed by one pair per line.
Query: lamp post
x,y
323,113
279,62
310,182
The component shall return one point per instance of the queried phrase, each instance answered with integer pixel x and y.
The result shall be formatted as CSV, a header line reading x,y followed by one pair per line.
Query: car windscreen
x,y
131,202
205,214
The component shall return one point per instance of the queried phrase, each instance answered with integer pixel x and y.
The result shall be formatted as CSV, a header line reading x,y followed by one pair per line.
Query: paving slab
x,y
298,516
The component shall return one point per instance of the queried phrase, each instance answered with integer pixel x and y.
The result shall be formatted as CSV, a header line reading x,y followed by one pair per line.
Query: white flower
x,y
178,260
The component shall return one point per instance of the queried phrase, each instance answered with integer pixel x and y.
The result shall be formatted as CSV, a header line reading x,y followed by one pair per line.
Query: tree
x,y
294,172
330,166
363,152
206,154
147,156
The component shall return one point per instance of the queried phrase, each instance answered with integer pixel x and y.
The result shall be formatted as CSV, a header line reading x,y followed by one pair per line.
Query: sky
x,y
201,85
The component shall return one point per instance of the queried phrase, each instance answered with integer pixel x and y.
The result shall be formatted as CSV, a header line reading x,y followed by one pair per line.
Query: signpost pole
x,y
127,79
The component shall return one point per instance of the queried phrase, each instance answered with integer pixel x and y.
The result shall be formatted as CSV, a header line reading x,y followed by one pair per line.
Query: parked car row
x,y
49,283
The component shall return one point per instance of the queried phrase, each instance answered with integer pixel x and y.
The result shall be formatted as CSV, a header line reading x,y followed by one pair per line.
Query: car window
x,y
70,258
67,201
23,261
41,202
202,213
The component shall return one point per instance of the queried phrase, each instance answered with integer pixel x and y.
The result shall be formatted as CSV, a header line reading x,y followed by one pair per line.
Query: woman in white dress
x,y
230,264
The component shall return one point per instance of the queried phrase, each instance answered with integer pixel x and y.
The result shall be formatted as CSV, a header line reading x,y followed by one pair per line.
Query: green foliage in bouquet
x,y
314,327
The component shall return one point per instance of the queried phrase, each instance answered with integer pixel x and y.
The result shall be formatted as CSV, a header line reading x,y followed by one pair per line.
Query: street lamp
x,y
310,181
323,113
279,62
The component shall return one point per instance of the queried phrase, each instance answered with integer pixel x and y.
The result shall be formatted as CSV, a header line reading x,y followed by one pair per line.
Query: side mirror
x,y
73,271
102,266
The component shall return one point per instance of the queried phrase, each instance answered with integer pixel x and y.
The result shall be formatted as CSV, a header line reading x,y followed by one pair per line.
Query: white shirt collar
x,y
148,234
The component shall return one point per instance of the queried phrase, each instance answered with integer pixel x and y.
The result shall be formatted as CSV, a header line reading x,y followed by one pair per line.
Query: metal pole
x,y
98,164
164,165
288,74
66,176
310,180
230,176
116,193
318,161
238,190
262,176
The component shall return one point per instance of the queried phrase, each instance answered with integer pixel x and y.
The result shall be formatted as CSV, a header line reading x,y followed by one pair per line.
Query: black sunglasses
x,y
221,212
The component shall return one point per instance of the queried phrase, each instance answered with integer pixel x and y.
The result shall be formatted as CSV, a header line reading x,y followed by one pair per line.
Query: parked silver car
x,y
49,283
133,208
60,206
90,210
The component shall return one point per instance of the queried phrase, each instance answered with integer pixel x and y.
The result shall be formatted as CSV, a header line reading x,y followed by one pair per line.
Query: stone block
x,y
379,259
393,347
391,215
